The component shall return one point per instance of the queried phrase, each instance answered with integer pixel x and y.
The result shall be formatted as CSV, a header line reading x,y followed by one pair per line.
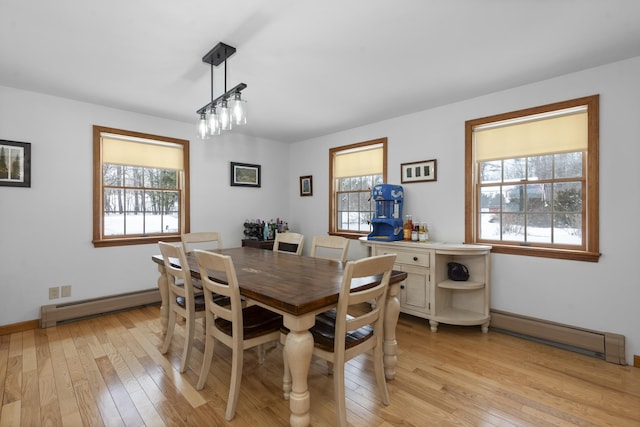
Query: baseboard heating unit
x,y
53,314
604,345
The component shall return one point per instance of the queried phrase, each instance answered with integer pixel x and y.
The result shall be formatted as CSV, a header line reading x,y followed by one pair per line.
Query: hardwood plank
x,y
4,358
69,411
10,415
13,380
30,405
48,398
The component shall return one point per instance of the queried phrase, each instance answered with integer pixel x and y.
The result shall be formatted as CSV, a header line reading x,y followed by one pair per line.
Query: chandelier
x,y
226,110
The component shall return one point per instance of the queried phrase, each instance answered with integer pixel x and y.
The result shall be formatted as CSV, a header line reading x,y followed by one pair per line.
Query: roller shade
x,y
358,162
143,153
566,131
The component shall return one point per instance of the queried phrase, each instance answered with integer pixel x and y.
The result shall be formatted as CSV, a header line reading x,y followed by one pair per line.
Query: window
x,y
141,187
532,181
353,171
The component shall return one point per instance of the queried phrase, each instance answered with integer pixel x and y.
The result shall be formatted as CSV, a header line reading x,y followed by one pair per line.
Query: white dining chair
x,y
232,325
288,238
340,335
183,301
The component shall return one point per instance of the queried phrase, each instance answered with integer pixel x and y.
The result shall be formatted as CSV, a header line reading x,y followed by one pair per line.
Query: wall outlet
x,y
54,292
65,291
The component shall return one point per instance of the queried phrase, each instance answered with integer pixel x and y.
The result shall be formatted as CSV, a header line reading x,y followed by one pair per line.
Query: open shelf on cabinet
x,y
452,284
462,317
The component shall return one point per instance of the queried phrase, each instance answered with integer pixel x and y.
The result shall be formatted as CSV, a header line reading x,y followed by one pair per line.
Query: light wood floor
x,y
108,371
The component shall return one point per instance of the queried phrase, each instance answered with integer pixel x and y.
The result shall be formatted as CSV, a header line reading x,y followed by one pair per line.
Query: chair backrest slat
x,y
201,240
330,247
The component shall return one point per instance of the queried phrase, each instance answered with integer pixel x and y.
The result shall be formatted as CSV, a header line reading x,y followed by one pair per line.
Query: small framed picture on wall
x,y
245,175
15,163
306,185
418,171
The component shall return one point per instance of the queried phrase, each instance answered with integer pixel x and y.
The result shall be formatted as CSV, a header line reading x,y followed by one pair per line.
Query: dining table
x,y
299,288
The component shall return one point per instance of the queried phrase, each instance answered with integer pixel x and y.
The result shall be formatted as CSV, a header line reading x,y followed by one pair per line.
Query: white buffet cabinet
x,y
428,292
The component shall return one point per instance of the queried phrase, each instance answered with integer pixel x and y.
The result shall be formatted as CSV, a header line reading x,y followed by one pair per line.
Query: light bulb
x,y
213,125
225,117
202,127
238,109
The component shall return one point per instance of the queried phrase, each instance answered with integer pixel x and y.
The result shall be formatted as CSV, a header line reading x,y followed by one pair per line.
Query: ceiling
x,y
312,67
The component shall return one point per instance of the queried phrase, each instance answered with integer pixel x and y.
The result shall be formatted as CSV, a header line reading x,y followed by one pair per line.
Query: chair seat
x,y
256,321
197,284
324,332
198,299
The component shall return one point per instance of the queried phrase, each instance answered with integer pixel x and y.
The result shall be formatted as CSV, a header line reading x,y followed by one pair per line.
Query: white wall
x,y
46,230
601,296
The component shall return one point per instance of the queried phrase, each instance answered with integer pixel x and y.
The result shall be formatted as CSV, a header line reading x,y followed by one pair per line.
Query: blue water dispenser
x,y
387,222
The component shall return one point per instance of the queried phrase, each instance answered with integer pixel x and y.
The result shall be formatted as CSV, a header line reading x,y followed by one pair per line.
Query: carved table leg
x,y
390,346
298,350
163,286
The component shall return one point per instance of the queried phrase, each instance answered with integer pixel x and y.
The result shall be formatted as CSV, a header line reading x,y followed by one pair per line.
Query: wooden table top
x,y
293,284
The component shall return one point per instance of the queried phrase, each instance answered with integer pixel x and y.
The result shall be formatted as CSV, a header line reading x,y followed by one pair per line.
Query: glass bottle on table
x,y
422,232
408,227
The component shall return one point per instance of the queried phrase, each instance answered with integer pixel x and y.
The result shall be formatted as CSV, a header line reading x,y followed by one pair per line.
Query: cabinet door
x,y
414,293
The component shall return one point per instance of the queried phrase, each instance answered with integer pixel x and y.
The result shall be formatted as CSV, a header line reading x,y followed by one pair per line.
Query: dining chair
x,y
183,301
290,240
236,327
330,247
201,240
353,328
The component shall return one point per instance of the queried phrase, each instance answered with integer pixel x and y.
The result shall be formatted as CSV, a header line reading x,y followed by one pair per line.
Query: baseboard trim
x,y
605,345
53,314
19,327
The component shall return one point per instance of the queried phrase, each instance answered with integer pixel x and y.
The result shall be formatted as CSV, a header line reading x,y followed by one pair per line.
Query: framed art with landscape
x,y
245,175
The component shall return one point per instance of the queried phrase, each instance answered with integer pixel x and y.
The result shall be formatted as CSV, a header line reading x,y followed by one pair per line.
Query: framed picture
x,y
306,185
15,163
418,171
245,175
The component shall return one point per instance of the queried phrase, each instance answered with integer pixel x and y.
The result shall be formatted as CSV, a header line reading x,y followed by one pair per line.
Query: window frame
x,y
591,251
99,240
332,189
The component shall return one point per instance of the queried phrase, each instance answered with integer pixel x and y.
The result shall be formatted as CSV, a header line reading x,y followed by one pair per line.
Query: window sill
x,y
348,235
569,254
135,241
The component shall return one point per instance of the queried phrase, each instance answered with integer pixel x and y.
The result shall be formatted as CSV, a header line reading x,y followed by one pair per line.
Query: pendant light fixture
x,y
229,108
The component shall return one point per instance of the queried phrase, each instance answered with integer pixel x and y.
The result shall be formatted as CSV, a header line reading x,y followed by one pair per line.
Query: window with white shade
x,y
532,181
140,187
353,170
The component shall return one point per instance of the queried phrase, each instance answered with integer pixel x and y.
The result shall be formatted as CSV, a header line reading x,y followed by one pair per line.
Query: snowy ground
x,y
114,225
